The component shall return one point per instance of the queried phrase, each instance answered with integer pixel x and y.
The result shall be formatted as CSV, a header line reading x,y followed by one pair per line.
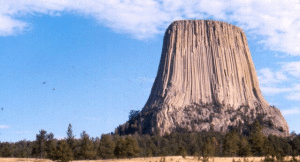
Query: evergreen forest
x,y
184,143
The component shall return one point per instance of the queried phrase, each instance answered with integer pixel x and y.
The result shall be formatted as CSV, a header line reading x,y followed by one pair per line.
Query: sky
x,y
89,62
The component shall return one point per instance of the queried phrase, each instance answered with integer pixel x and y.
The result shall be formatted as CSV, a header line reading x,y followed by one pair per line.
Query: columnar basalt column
x,y
206,78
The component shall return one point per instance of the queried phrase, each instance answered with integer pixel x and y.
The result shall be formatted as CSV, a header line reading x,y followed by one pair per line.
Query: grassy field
x,y
23,160
150,159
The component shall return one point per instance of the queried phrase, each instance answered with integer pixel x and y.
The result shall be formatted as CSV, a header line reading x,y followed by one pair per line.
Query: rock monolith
x,y
206,80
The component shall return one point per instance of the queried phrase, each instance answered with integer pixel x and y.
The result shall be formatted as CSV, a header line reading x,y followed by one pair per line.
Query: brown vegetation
x,y
153,159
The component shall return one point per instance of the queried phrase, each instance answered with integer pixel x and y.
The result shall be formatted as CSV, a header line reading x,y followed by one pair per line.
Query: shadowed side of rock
x,y
206,79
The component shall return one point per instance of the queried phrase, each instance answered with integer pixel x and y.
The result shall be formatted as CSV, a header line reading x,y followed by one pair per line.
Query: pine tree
x,y
257,139
270,152
70,136
71,139
6,150
39,148
106,147
63,152
23,149
146,145
86,150
120,151
208,149
50,146
131,147
295,143
230,145
244,147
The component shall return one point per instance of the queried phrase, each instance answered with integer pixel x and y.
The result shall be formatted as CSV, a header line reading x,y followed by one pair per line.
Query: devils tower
x,y
206,80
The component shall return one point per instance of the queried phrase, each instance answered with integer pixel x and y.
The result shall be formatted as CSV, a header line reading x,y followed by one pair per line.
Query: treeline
x,y
185,143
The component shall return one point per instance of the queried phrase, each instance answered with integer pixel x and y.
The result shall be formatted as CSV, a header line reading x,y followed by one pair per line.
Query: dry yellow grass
x,y
176,159
150,159
180,159
23,160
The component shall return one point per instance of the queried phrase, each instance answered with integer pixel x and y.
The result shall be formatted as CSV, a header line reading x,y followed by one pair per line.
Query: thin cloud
x,y
23,132
293,68
270,91
276,22
285,80
294,96
292,111
4,126
267,76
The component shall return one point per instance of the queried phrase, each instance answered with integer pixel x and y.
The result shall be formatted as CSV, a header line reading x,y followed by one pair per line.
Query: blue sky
x,y
90,62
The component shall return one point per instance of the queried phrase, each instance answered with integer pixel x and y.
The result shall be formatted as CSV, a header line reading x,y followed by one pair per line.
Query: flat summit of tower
x,y
206,78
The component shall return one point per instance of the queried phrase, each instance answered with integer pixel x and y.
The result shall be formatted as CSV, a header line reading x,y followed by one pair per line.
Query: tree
x,y
6,150
71,138
257,139
120,150
147,146
63,152
39,148
244,147
230,145
86,150
131,147
295,143
270,152
279,147
23,149
208,149
126,147
106,147
133,114
50,146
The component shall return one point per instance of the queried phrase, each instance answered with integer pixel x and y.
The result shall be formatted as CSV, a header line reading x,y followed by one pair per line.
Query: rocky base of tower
x,y
207,117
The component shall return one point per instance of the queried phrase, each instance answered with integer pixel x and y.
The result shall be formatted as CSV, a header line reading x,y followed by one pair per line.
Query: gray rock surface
x,y
206,78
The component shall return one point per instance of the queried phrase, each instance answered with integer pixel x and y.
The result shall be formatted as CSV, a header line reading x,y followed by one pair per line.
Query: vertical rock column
x,y
205,62
206,77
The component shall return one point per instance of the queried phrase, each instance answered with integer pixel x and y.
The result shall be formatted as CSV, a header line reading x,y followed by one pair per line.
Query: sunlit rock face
x,y
206,80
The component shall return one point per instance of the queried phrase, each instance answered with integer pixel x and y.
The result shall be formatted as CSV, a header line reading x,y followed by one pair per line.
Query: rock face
x,y
206,79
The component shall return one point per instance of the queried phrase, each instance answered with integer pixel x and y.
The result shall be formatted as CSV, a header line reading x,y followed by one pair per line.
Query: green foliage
x,y
120,151
131,147
257,139
200,144
63,152
126,147
133,114
231,144
70,137
50,146
6,149
208,149
42,144
147,146
106,147
86,149
244,147
23,149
